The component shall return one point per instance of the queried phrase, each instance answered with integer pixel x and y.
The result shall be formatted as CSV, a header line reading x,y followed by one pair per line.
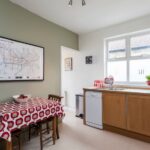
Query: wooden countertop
x,y
120,90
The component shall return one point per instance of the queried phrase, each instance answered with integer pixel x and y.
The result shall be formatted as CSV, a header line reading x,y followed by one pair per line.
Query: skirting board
x,y
127,133
69,109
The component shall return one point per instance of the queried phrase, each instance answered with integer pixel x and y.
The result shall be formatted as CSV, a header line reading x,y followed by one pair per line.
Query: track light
x,y
71,2
83,3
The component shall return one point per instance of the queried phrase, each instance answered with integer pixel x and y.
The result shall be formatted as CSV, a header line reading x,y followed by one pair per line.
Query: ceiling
x,y
96,14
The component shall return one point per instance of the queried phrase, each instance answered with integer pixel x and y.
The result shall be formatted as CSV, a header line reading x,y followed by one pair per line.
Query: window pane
x,y
117,49
140,45
118,69
139,69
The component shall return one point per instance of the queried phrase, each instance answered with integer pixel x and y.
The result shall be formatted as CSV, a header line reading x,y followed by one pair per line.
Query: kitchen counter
x,y
124,110
120,90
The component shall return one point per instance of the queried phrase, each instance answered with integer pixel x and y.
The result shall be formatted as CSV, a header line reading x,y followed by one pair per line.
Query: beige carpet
x,y
76,136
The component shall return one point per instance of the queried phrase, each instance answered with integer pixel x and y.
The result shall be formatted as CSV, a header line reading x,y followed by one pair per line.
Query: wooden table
x,y
16,115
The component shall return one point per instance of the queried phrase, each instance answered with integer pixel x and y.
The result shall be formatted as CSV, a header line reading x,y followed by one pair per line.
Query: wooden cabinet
x,y
138,114
114,109
125,112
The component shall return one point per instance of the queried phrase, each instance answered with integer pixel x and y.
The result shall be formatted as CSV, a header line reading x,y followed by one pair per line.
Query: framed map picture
x,y
20,61
68,64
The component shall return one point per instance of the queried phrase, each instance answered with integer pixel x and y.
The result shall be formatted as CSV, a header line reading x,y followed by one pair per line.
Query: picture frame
x,y
68,64
88,59
20,61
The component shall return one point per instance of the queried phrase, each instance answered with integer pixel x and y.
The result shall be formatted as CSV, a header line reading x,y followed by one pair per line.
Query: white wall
x,y
92,43
70,79
82,75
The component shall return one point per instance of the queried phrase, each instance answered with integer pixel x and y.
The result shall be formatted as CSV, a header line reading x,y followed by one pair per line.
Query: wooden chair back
x,y
54,97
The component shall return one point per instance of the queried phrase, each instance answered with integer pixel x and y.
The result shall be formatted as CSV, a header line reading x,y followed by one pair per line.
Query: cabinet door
x,y
114,109
138,116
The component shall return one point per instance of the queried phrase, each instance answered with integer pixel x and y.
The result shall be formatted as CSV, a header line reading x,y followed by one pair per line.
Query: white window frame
x,y
128,57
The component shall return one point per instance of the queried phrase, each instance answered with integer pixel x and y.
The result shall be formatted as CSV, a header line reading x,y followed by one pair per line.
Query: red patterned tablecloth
x,y
16,116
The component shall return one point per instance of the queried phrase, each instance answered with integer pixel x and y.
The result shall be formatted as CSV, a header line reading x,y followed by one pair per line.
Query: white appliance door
x,y
94,109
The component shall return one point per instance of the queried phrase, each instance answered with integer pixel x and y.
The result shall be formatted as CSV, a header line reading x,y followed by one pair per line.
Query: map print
x,y
20,61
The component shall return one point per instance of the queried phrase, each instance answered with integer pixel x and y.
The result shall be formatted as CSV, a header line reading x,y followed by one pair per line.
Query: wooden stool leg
x,y
41,143
19,142
9,145
48,128
29,132
57,130
54,129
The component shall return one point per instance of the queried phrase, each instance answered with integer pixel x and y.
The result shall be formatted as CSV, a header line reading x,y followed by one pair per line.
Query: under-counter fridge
x,y
93,109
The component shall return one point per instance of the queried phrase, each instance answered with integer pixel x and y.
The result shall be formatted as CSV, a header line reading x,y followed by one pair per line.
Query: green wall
x,y
17,23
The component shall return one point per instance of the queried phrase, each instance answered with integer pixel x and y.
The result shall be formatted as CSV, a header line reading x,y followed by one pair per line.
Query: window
x,y
118,69
139,69
117,49
140,45
128,58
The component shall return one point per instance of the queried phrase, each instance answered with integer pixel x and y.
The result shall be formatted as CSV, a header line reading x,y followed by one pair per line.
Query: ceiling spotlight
x,y
70,3
83,3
